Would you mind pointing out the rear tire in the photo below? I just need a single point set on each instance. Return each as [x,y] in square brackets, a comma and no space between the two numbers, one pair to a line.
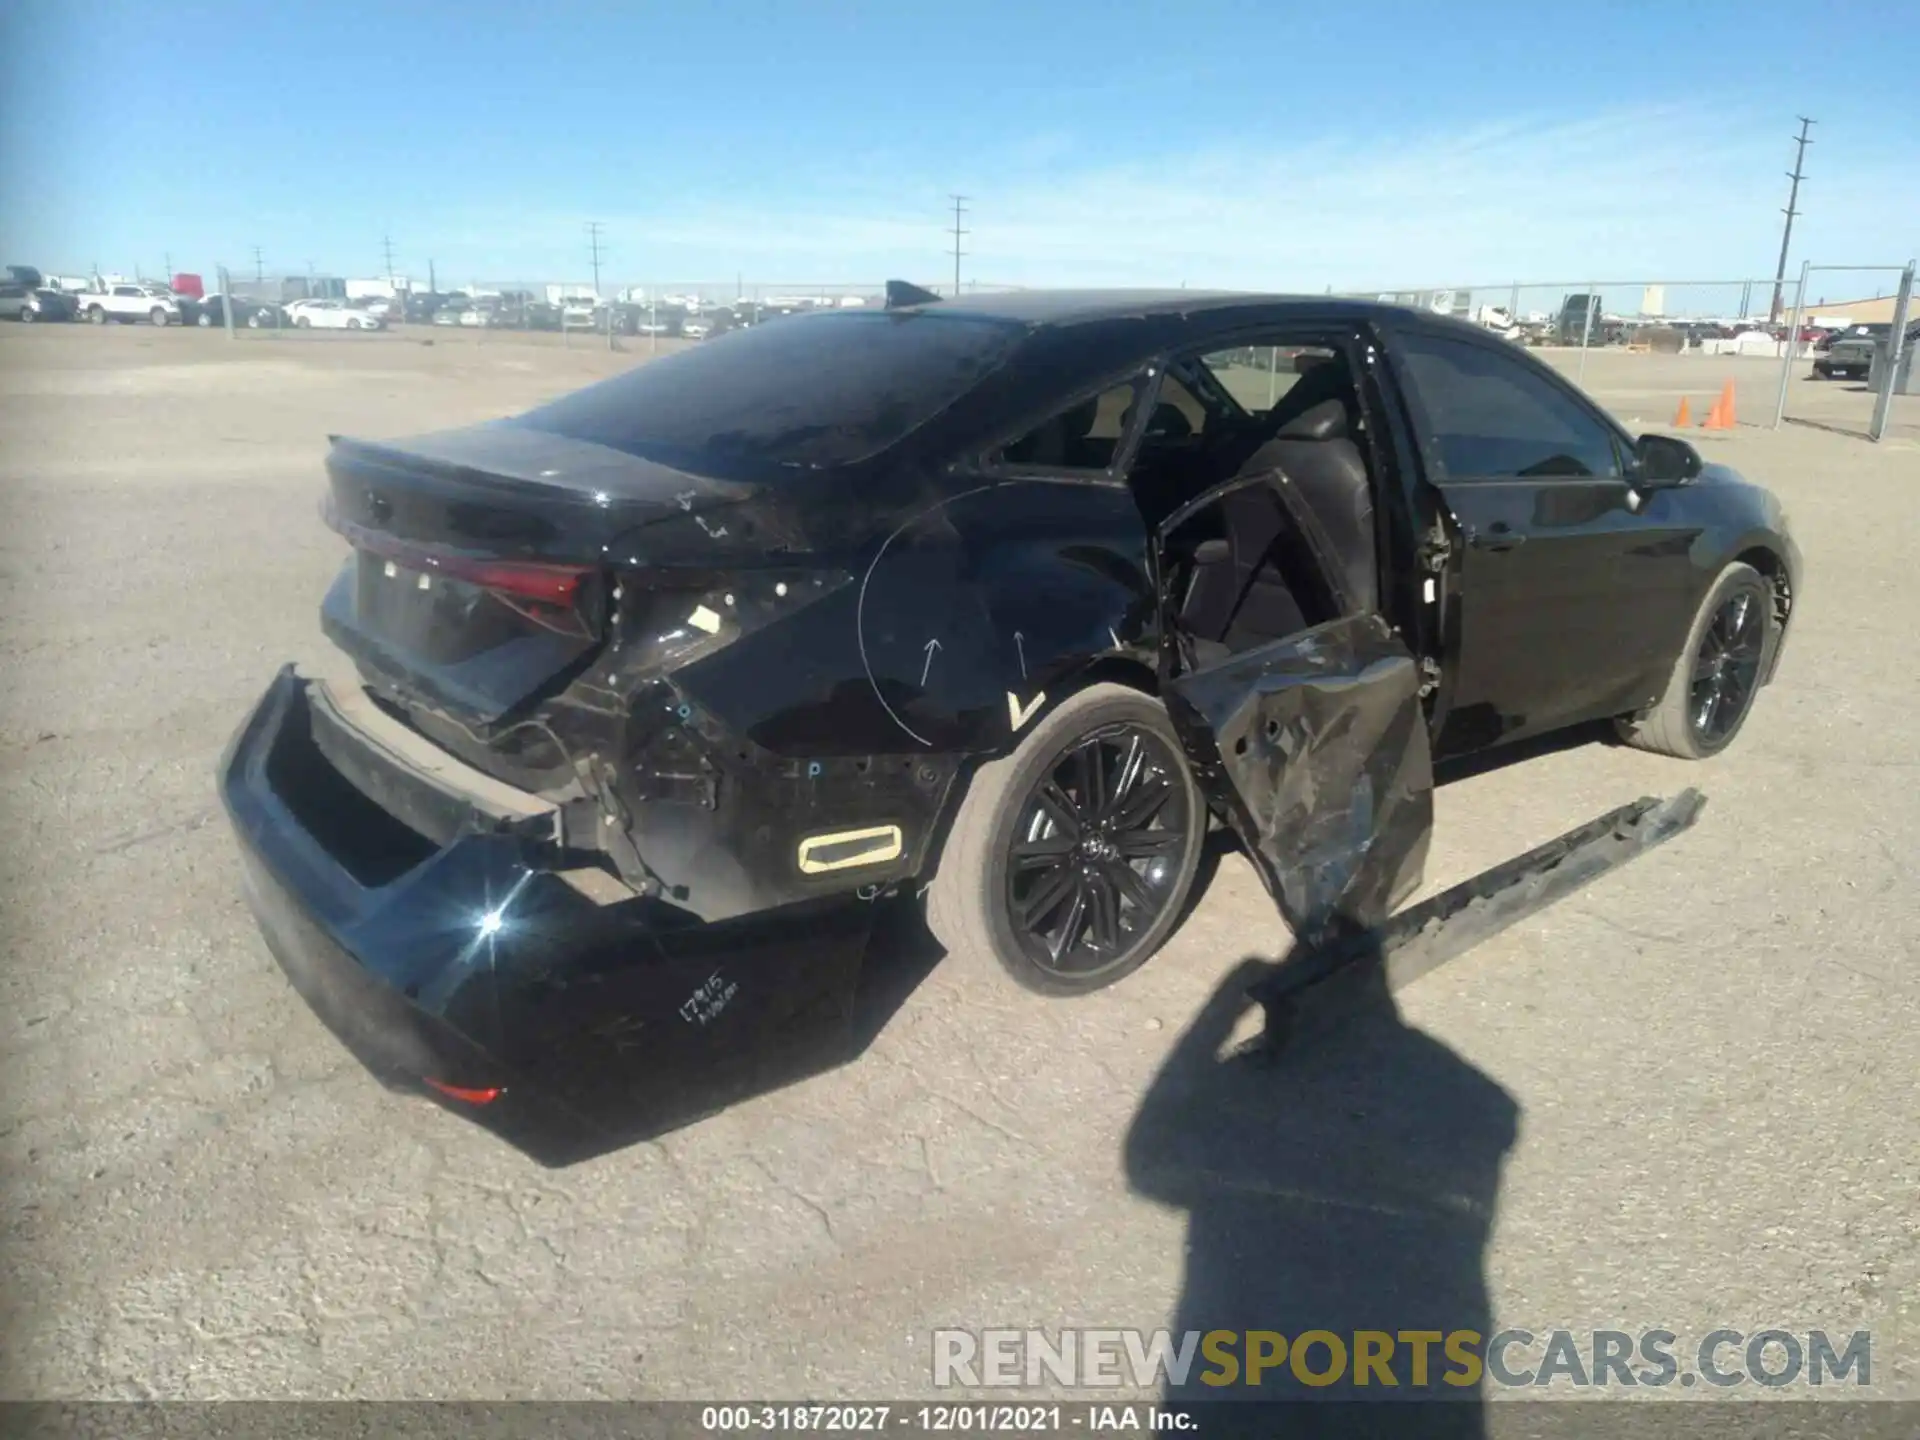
[158,316]
[1718,681]
[303,323]
[971,900]
[205,322]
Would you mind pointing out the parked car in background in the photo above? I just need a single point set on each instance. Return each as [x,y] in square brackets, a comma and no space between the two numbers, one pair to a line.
[124,301]
[1850,355]
[254,314]
[331,315]
[418,306]
[31,304]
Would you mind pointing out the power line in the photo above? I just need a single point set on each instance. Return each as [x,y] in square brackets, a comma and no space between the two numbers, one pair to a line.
[593,240]
[959,210]
[1786,235]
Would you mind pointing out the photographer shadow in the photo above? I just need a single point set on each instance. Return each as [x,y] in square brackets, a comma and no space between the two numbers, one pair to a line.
[1339,1176]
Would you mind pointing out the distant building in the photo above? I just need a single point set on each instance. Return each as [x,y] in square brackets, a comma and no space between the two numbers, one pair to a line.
[1877,311]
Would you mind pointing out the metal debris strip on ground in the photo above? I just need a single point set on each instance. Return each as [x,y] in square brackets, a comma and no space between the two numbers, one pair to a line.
[1423,937]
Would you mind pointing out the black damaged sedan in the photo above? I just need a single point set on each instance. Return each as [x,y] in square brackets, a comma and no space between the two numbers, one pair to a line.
[998,603]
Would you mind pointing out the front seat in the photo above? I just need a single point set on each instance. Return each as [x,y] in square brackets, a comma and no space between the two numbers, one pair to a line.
[1317,452]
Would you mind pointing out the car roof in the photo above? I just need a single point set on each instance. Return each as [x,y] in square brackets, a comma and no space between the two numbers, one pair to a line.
[1072,307]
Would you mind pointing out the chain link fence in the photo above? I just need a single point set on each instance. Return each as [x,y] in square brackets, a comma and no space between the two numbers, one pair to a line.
[1796,321]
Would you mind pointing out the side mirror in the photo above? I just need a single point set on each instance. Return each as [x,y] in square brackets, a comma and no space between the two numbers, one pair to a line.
[1664,460]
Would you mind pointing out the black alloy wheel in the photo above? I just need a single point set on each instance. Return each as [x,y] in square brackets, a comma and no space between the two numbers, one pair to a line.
[1095,857]
[1726,667]
[1717,673]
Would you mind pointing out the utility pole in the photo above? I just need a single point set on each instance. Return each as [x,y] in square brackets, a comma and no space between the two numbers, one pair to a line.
[433,282]
[167,260]
[959,209]
[386,243]
[1786,235]
[593,240]
[259,266]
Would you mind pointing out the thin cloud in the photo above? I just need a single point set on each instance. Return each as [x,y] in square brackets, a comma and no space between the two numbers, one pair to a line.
[1644,192]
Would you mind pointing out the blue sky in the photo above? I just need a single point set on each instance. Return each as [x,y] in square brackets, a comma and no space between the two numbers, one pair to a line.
[1255,145]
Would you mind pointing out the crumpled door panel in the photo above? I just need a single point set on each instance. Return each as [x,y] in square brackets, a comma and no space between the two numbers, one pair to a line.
[1316,747]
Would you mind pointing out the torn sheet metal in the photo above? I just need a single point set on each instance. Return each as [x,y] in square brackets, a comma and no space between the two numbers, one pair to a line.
[1317,749]
[1426,936]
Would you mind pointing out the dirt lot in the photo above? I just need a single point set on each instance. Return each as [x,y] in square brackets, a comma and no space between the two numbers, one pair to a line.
[1683,1099]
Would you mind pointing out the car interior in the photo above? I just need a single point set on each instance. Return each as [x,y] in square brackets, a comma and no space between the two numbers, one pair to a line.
[1245,572]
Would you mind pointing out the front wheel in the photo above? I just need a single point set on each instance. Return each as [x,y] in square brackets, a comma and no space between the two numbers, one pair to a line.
[158,316]
[353,325]
[303,323]
[97,315]
[205,322]
[1711,690]
[27,317]
[1070,859]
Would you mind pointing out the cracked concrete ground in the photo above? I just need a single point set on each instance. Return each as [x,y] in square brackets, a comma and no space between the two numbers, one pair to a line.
[1684,1098]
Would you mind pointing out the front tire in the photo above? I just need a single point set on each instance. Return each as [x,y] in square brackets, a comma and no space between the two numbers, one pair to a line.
[97,315]
[1710,693]
[1070,859]
[205,322]
[158,316]
[27,317]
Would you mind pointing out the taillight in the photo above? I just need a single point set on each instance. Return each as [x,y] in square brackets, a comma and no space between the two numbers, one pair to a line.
[465,1093]
[549,595]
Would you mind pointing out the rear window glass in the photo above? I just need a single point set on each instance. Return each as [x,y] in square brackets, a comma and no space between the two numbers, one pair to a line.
[818,391]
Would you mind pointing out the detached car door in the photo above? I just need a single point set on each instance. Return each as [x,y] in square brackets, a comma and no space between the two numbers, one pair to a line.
[1314,746]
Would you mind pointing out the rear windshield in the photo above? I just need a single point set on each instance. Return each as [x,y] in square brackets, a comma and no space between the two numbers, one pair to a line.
[814,391]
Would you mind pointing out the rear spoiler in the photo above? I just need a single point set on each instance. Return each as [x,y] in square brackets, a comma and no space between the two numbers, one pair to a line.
[900,293]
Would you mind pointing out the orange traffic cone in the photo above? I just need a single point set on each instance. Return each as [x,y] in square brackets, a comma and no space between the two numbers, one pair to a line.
[1720,417]
[1683,417]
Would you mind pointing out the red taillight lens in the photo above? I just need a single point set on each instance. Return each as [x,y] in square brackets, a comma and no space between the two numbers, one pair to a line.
[529,586]
[462,1092]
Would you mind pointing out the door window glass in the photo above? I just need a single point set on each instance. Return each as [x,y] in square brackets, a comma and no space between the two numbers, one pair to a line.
[1084,436]
[1259,376]
[1492,415]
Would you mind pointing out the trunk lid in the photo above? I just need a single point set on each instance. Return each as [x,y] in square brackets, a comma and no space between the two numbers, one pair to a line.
[483,558]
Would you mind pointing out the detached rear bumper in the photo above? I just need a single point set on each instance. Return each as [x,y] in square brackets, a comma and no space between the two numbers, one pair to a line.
[429,918]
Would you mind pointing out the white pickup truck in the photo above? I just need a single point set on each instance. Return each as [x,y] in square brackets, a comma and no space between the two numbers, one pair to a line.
[123,300]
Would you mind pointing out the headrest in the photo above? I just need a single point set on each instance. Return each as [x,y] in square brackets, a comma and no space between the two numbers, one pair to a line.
[1325,421]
